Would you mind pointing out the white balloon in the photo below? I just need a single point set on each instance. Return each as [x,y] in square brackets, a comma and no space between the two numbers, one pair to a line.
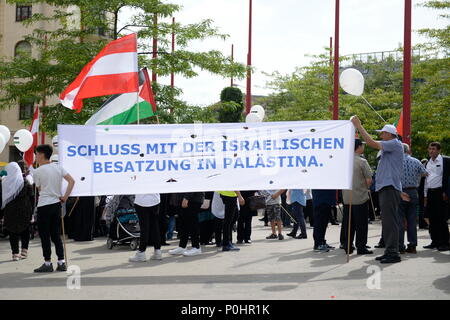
[4,131]
[252,117]
[23,140]
[2,143]
[55,142]
[259,110]
[54,158]
[352,81]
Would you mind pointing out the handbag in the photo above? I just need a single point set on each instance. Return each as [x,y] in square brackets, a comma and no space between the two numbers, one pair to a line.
[256,202]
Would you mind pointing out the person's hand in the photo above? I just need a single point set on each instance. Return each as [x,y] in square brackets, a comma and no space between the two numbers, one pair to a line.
[63,199]
[427,221]
[184,203]
[356,122]
[241,201]
[405,197]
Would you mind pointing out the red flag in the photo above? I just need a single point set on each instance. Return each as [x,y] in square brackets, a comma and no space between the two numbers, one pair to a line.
[114,70]
[147,92]
[34,129]
[399,125]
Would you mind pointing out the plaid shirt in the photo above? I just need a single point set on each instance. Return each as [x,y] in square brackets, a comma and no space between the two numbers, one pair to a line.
[413,170]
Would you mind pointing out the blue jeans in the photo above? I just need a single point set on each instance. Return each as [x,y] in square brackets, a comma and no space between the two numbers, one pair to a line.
[170,227]
[297,208]
[407,211]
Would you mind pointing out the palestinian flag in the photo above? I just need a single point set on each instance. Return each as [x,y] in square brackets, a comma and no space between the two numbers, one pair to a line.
[123,108]
[399,125]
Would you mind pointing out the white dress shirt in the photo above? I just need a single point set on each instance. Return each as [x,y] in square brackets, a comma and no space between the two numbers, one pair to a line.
[147,200]
[435,171]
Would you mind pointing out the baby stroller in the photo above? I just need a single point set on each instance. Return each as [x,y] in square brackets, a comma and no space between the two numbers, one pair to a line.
[124,222]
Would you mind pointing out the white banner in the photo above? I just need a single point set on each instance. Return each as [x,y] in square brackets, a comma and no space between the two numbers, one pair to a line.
[136,159]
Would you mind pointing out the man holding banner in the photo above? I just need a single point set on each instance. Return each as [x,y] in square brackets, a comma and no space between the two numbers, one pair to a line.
[388,185]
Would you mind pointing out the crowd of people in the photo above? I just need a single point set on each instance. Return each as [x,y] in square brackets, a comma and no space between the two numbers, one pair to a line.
[403,191]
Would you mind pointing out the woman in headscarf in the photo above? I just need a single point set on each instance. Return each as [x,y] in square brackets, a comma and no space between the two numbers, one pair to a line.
[17,209]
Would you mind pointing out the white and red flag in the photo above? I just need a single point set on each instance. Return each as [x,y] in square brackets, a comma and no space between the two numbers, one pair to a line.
[114,70]
[34,129]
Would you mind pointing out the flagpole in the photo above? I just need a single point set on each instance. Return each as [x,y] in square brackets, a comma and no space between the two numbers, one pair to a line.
[137,103]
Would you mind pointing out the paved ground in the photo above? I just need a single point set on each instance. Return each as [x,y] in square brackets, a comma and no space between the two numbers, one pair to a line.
[266,269]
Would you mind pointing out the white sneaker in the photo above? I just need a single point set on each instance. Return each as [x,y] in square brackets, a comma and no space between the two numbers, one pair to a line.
[157,255]
[138,257]
[177,251]
[192,252]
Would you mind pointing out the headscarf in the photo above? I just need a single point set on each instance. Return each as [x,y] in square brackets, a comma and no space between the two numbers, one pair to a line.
[12,184]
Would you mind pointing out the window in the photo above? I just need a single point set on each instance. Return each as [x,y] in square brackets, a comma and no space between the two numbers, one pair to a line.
[22,48]
[26,111]
[23,12]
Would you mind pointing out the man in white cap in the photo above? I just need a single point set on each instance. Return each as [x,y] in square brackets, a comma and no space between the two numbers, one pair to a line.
[388,185]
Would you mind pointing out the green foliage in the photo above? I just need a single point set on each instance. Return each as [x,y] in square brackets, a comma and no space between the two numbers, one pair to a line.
[232,94]
[230,111]
[64,52]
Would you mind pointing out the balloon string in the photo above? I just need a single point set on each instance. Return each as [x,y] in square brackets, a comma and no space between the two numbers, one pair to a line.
[373,109]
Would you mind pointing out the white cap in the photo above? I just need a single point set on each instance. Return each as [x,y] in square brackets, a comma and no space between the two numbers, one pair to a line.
[388,128]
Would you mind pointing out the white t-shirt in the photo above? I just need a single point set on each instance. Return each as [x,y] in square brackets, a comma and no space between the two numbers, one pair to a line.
[49,178]
[147,200]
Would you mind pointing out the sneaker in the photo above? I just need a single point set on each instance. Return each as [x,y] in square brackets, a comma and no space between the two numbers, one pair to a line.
[330,247]
[402,250]
[15,257]
[157,255]
[192,252]
[272,236]
[379,258]
[44,268]
[411,249]
[291,234]
[177,251]
[280,237]
[61,267]
[364,251]
[430,246]
[230,247]
[324,248]
[301,236]
[24,254]
[444,248]
[391,259]
[248,241]
[380,245]
[239,242]
[138,257]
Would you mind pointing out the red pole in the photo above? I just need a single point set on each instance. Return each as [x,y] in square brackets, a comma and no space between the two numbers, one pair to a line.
[407,75]
[155,47]
[172,75]
[331,77]
[232,60]
[248,97]
[336,65]
[44,100]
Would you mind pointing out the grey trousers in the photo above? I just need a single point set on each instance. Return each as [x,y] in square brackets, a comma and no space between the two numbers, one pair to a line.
[408,212]
[389,199]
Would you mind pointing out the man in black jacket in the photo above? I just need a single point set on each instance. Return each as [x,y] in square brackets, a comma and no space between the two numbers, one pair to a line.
[436,197]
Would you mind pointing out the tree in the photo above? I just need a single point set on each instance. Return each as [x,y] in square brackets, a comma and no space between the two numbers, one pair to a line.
[65,51]
[231,105]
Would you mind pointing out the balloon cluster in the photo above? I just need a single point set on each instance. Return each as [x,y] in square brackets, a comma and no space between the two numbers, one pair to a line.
[256,114]
[23,139]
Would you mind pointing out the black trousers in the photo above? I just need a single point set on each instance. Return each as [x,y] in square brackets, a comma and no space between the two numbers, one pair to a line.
[321,216]
[359,225]
[189,225]
[218,227]
[24,237]
[309,212]
[436,211]
[230,212]
[49,227]
[244,227]
[149,225]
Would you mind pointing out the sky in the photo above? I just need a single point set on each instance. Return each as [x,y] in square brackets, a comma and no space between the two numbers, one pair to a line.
[286,31]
